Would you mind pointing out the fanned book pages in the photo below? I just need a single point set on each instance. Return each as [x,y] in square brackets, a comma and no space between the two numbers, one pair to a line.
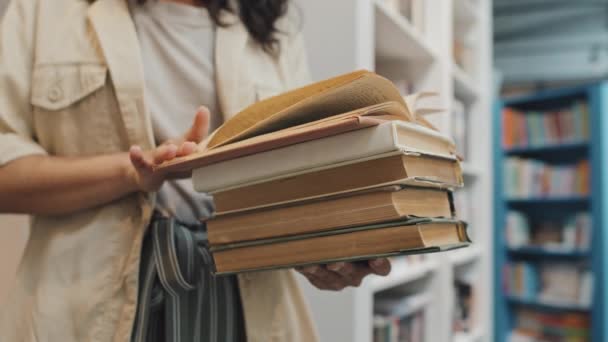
[341,104]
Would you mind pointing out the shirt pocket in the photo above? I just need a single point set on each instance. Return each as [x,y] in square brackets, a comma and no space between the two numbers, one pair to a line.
[75,109]
[57,87]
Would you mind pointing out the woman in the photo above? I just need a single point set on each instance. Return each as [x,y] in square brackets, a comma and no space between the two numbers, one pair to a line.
[83,82]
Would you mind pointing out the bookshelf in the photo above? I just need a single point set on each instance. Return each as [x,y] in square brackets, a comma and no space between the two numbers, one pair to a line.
[594,257]
[414,47]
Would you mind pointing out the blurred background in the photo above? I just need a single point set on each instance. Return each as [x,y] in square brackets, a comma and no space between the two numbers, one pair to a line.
[522,84]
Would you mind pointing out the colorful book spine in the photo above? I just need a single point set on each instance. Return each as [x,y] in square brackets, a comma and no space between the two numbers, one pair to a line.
[551,283]
[529,178]
[572,234]
[533,325]
[397,329]
[537,129]
[521,280]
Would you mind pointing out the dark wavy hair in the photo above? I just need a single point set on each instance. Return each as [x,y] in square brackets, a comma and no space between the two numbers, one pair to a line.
[259,16]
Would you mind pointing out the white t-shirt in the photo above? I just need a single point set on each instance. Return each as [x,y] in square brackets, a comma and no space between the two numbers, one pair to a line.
[177,45]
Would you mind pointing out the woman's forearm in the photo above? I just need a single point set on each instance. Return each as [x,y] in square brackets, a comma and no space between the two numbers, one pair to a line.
[57,185]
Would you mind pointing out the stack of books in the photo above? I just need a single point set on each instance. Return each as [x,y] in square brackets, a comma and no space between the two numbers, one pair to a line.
[343,169]
[464,300]
[537,129]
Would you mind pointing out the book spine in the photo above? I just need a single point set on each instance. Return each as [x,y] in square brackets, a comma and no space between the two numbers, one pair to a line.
[313,154]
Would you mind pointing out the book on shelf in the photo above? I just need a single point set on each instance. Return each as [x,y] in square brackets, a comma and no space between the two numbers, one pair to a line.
[389,329]
[561,284]
[520,280]
[530,178]
[343,169]
[464,297]
[573,233]
[537,129]
[398,318]
[532,325]
[517,230]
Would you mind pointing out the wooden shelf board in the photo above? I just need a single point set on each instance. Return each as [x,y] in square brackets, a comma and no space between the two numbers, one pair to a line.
[397,39]
[402,272]
[464,256]
[465,87]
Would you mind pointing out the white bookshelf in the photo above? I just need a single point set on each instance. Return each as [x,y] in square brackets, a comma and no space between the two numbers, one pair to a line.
[403,272]
[476,335]
[345,35]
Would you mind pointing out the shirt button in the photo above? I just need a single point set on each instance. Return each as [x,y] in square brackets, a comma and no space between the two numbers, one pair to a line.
[55,94]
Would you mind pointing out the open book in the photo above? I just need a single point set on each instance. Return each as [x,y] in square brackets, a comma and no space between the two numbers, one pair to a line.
[338,105]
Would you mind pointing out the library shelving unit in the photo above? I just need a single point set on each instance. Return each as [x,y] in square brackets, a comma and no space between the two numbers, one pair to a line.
[595,149]
[416,51]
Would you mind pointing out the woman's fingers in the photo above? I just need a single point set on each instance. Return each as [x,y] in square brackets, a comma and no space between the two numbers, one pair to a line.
[325,279]
[186,148]
[200,126]
[138,158]
[164,153]
[345,269]
[381,266]
[336,276]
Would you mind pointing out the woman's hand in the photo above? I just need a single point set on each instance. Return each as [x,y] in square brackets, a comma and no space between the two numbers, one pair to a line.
[339,275]
[142,173]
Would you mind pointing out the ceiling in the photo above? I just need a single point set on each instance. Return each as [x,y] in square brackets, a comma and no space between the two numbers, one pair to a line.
[538,41]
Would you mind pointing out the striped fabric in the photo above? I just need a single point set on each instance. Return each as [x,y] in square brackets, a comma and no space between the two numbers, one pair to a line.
[179,298]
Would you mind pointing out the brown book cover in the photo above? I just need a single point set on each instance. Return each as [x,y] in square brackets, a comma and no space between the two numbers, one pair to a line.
[412,169]
[367,207]
[351,244]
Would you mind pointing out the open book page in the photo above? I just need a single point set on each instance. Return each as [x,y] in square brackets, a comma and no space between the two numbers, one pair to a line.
[369,89]
[387,111]
[412,102]
[268,107]
[357,119]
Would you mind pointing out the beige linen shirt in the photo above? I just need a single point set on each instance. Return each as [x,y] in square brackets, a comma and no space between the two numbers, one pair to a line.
[71,84]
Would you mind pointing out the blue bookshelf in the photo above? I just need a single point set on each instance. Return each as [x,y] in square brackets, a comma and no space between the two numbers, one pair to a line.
[542,306]
[533,151]
[596,151]
[540,252]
